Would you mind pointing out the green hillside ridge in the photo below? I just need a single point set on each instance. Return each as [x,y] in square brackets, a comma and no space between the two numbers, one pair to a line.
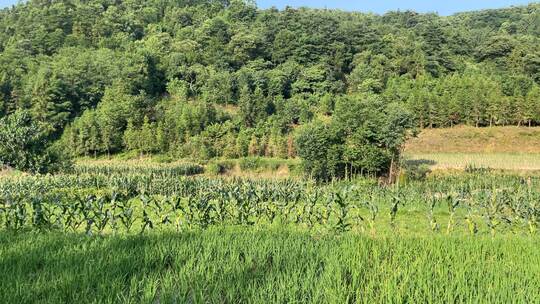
[226,79]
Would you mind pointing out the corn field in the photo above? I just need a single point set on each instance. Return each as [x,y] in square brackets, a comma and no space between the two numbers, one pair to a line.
[96,201]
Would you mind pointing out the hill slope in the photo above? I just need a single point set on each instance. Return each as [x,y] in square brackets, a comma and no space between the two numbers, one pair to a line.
[476,140]
[510,148]
[158,76]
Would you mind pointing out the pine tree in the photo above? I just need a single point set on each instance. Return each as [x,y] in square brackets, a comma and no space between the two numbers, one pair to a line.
[247,107]
[94,138]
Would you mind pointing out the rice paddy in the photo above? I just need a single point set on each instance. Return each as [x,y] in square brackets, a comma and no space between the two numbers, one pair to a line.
[266,266]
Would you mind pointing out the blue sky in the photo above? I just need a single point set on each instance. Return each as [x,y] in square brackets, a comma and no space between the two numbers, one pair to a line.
[444,7]
[4,3]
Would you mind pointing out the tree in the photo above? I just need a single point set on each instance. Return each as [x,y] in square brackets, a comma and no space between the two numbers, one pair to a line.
[24,146]
[254,147]
[131,137]
[321,150]
[218,88]
[111,123]
[147,137]
[50,104]
[369,73]
[364,136]
[532,100]
[84,68]
[496,47]
[374,133]
[284,46]
[317,80]
[254,107]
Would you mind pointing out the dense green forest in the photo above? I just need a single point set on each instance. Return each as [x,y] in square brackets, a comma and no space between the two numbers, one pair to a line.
[220,78]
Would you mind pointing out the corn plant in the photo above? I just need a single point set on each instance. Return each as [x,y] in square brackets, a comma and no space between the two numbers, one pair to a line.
[434,226]
[452,203]
[130,201]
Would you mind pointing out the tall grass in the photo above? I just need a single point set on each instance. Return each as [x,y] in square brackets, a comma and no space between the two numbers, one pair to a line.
[266,266]
[152,170]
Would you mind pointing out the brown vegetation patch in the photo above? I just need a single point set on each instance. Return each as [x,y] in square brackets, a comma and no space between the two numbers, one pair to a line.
[466,139]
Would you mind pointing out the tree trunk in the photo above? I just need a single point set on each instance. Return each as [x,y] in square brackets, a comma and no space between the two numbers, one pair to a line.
[392,173]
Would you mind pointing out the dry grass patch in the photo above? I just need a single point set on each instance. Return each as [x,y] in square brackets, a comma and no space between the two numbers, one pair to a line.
[476,140]
[504,161]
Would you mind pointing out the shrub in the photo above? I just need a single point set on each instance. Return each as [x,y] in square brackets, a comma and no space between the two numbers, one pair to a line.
[218,167]
[163,159]
[474,169]
[214,169]
[250,163]
[414,171]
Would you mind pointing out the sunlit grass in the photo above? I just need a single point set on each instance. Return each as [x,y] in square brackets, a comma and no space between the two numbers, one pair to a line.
[506,161]
[465,139]
[266,266]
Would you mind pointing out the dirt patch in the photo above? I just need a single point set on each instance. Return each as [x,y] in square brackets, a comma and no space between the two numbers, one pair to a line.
[6,172]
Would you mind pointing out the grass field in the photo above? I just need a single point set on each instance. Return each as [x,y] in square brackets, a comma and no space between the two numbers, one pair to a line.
[505,161]
[508,148]
[266,266]
[465,139]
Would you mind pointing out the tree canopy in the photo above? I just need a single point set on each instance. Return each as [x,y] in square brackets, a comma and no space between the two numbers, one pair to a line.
[24,146]
[222,78]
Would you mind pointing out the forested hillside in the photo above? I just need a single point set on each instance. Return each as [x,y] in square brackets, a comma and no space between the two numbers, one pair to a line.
[219,78]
